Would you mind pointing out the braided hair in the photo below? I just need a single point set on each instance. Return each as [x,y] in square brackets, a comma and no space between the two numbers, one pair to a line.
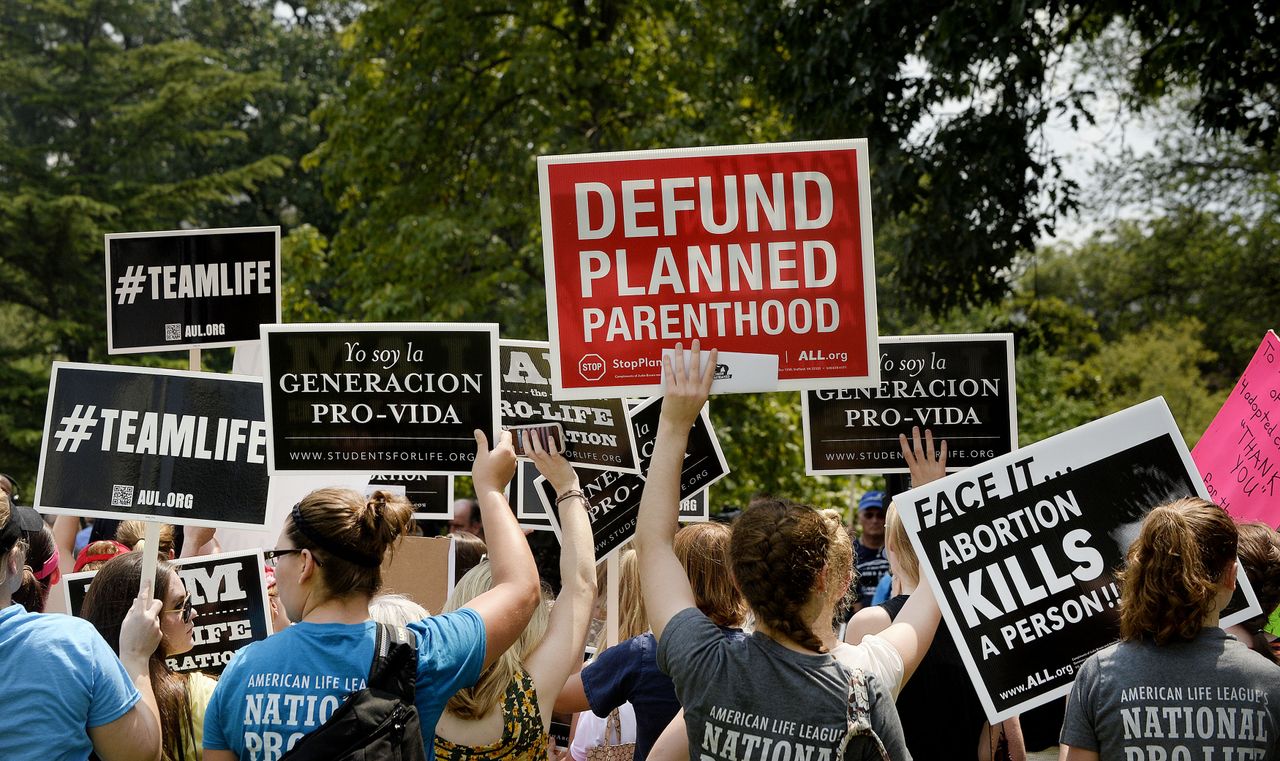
[778,550]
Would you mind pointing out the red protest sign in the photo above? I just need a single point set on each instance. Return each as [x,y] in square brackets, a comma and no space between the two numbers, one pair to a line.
[762,251]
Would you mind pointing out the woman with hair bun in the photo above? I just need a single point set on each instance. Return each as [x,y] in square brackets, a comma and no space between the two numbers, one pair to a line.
[780,693]
[327,561]
[1176,686]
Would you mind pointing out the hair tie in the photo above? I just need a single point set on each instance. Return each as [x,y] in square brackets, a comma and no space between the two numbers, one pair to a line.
[342,551]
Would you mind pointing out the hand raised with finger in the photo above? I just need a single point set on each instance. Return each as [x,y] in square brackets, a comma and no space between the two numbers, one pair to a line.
[687,384]
[552,465]
[492,470]
[921,461]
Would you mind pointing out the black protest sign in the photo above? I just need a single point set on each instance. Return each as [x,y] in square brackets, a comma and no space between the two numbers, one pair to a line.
[597,433]
[432,496]
[959,386]
[615,497]
[1022,551]
[379,397]
[524,500]
[229,600]
[182,447]
[187,288]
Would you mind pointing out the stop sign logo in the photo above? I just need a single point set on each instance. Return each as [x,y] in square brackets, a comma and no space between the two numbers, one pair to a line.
[591,367]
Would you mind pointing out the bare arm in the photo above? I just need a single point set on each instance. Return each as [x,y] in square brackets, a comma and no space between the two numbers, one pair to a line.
[573,696]
[65,528]
[871,620]
[199,541]
[662,579]
[1068,753]
[507,607]
[560,651]
[673,743]
[135,736]
[220,755]
[912,631]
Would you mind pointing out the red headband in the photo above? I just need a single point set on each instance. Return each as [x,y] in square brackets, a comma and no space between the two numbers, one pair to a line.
[84,558]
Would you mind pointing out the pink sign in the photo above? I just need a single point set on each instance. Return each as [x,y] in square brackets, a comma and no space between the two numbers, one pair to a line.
[1239,454]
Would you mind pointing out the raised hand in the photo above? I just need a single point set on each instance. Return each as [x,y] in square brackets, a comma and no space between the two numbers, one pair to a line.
[688,385]
[551,465]
[920,460]
[492,470]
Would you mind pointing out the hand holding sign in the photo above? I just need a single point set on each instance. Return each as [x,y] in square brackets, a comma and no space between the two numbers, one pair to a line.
[492,471]
[552,465]
[924,466]
[687,386]
[140,630]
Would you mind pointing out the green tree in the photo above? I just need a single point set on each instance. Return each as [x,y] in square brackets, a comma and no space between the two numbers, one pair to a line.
[105,115]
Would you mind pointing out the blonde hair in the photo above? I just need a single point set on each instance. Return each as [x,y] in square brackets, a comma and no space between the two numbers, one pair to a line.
[396,610]
[474,702]
[131,533]
[895,533]
[1174,569]
[703,550]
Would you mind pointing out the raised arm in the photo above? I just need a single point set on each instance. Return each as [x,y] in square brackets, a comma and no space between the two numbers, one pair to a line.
[560,652]
[508,606]
[662,579]
[912,631]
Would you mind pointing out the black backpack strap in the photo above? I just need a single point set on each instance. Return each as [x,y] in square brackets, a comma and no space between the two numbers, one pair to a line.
[395,662]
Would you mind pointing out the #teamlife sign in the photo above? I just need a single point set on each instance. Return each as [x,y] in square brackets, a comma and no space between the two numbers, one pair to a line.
[379,397]
[187,288]
[960,386]
[138,442]
[762,251]
[1239,454]
[229,597]
[597,432]
[1022,549]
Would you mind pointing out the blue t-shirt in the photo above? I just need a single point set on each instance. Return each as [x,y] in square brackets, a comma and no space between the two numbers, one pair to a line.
[629,671]
[276,691]
[61,678]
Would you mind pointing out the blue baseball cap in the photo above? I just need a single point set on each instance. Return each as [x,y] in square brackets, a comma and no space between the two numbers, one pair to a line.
[872,500]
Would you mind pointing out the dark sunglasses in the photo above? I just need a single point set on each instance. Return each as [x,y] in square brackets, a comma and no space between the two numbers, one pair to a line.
[185,610]
[271,555]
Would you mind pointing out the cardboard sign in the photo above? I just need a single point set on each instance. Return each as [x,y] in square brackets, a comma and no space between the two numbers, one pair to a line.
[597,432]
[1239,453]
[379,397]
[184,288]
[432,496]
[762,251]
[229,596]
[1022,550]
[615,497]
[420,567]
[959,386]
[185,447]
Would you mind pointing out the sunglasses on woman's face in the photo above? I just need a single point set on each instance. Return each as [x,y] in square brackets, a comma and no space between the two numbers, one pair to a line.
[271,555]
[185,610]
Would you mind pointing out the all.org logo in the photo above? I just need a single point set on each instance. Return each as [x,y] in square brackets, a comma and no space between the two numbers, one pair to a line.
[591,367]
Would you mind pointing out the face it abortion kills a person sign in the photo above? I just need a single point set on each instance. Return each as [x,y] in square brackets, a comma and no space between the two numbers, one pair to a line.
[764,252]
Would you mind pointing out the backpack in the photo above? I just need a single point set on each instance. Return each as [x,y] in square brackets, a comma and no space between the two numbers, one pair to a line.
[379,721]
[859,717]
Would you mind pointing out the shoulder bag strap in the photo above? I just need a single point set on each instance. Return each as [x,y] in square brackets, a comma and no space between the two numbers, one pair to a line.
[858,716]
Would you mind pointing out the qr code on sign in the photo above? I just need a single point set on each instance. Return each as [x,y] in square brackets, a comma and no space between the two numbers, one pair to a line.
[173,331]
[121,496]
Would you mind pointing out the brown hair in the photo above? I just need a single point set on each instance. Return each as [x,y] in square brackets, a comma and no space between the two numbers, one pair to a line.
[109,598]
[468,551]
[895,534]
[778,549]
[349,535]
[100,547]
[1172,573]
[1260,555]
[20,545]
[34,592]
[703,550]
[131,533]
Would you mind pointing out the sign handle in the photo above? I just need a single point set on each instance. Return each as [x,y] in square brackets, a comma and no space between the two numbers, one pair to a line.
[150,550]
[193,358]
[613,570]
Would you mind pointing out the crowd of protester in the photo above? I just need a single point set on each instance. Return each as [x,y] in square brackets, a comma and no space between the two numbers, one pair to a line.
[731,643]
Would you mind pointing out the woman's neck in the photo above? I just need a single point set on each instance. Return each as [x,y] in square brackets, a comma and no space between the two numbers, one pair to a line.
[338,610]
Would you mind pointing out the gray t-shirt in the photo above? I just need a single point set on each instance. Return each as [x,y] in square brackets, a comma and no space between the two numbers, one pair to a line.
[1211,699]
[748,699]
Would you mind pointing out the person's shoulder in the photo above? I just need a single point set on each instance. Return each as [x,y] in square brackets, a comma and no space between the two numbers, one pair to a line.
[1254,663]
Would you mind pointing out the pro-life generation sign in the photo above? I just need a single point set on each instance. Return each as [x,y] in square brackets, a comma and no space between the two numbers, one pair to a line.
[179,289]
[959,386]
[399,398]
[137,442]
[762,251]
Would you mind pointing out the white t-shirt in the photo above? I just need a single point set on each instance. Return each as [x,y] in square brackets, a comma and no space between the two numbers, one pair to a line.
[874,656]
[590,731]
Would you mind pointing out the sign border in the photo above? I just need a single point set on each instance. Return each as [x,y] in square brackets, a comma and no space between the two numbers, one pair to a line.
[334,327]
[866,241]
[112,349]
[1007,338]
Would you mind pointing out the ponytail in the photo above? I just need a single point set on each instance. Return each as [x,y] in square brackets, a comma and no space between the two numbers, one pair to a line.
[1174,569]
